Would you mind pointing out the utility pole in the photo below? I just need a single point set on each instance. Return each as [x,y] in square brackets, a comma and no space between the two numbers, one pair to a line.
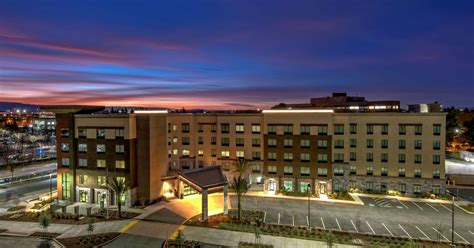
[309,205]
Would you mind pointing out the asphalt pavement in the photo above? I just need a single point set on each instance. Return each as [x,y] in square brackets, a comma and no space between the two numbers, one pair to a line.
[21,190]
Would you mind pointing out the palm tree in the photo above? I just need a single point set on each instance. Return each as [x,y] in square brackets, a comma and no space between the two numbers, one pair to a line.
[241,186]
[241,166]
[119,187]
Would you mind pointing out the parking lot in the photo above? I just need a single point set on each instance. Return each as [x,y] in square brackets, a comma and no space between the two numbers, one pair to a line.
[390,217]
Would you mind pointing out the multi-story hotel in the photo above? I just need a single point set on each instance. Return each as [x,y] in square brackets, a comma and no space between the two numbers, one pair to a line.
[333,144]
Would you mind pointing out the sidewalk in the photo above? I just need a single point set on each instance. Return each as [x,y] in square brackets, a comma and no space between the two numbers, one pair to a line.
[356,201]
[402,198]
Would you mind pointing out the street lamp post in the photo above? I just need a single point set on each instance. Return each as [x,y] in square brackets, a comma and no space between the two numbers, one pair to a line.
[51,193]
[452,218]
[309,205]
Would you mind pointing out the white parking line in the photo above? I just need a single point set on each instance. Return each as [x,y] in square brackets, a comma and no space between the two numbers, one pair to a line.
[422,232]
[403,204]
[391,234]
[307,220]
[370,227]
[264,216]
[446,208]
[357,231]
[417,206]
[322,221]
[293,220]
[340,229]
[432,207]
[471,232]
[278,218]
[440,234]
[405,231]
[460,236]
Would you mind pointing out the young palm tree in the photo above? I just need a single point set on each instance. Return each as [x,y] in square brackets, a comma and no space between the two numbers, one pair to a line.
[241,186]
[119,187]
[241,166]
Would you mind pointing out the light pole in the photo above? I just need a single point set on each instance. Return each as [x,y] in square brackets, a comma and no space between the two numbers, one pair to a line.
[309,205]
[51,193]
[452,218]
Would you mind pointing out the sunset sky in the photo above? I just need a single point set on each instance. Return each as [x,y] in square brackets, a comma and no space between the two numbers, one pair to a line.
[226,54]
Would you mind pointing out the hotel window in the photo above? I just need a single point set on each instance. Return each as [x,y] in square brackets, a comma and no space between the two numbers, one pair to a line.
[239,142]
[304,143]
[401,172]
[370,157]
[225,154]
[353,156]
[401,158]
[402,187]
[384,143]
[225,141]
[416,188]
[82,162]
[370,186]
[402,144]
[338,157]
[101,163]
[436,129]
[352,170]
[305,129]
[339,143]
[288,156]
[213,140]
[436,174]
[322,158]
[255,142]
[175,139]
[185,127]
[436,159]
[384,130]
[185,152]
[272,156]
[370,170]
[288,185]
[288,170]
[213,152]
[213,128]
[200,140]
[271,142]
[65,162]
[402,129]
[255,128]
[322,130]
[272,169]
[83,179]
[256,155]
[384,157]
[100,148]
[175,127]
[200,152]
[256,168]
[418,144]
[288,143]
[239,154]
[418,129]
[175,151]
[322,144]
[64,132]
[338,171]
[119,148]
[239,128]
[224,128]
[82,148]
[336,186]
[64,147]
[352,184]
[353,143]
[436,145]
[322,172]
[370,129]
[339,129]
[353,128]
[304,157]
[200,127]
[417,158]
[101,181]
[272,129]
[100,133]
[384,171]
[119,133]
[82,132]
[288,129]
[417,172]
[370,143]
[120,164]
[435,189]
[304,171]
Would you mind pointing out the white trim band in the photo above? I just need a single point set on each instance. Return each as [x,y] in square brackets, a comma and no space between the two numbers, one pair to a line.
[151,111]
[271,111]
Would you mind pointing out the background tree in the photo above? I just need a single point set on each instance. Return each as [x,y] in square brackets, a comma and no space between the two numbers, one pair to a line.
[119,187]
[7,157]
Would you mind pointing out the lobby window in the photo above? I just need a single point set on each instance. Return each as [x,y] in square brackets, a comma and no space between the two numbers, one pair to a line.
[339,143]
[352,169]
[436,174]
[384,171]
[436,145]
[353,143]
[322,130]
[239,141]
[304,157]
[256,155]
[288,143]
[119,148]
[304,187]
[64,132]
[288,185]
[417,158]
[338,171]
[339,157]
[185,153]
[272,169]
[65,162]
[239,128]
[101,180]
[417,172]
[418,129]
[64,147]
[305,129]
[101,163]
[213,140]
[401,158]
[353,156]
[225,141]
[256,168]
[402,187]
[353,128]
[200,152]
[83,179]
[436,129]
[416,188]
[370,143]
[288,156]
[82,132]
[288,170]
[322,158]
[304,143]
[384,143]
[436,159]
[384,129]
[200,127]
[418,144]
[370,170]
[185,127]
[384,157]
[213,128]
[120,164]
[370,186]
[272,156]
[200,140]
[322,144]
[82,148]
[119,133]
[255,142]
[435,189]
[100,133]
[304,171]
[185,140]
[402,129]
[255,128]
[239,154]
[322,172]
[100,148]
[82,162]
[271,142]
[370,129]
[225,128]
[370,157]
[401,172]
[339,129]
[272,129]
[288,129]
[402,144]
[225,154]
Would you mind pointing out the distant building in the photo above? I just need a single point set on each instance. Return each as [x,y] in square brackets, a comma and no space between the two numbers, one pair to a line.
[425,107]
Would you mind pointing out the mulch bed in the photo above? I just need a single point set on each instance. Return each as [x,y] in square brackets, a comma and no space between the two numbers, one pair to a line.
[88,241]
[49,235]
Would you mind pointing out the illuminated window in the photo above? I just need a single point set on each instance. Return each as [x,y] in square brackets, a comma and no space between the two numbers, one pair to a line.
[322,158]
[239,128]
[304,157]
[175,151]
[200,152]
[304,171]
[272,156]
[322,130]
[288,170]
[185,152]
[272,142]
[288,156]
[322,172]
[225,154]
[239,154]
[255,128]
[100,148]
[101,163]
[120,164]
[101,181]
[119,133]
[288,143]
[272,169]
[305,129]
[82,162]
[304,143]
[119,148]
[100,133]
[322,144]
[65,162]
[288,129]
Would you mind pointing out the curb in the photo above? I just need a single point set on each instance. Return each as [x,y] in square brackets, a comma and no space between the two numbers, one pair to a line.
[468,212]
[404,198]
[355,202]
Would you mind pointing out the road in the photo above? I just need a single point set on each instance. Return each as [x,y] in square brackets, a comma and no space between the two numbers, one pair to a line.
[30,169]
[18,191]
